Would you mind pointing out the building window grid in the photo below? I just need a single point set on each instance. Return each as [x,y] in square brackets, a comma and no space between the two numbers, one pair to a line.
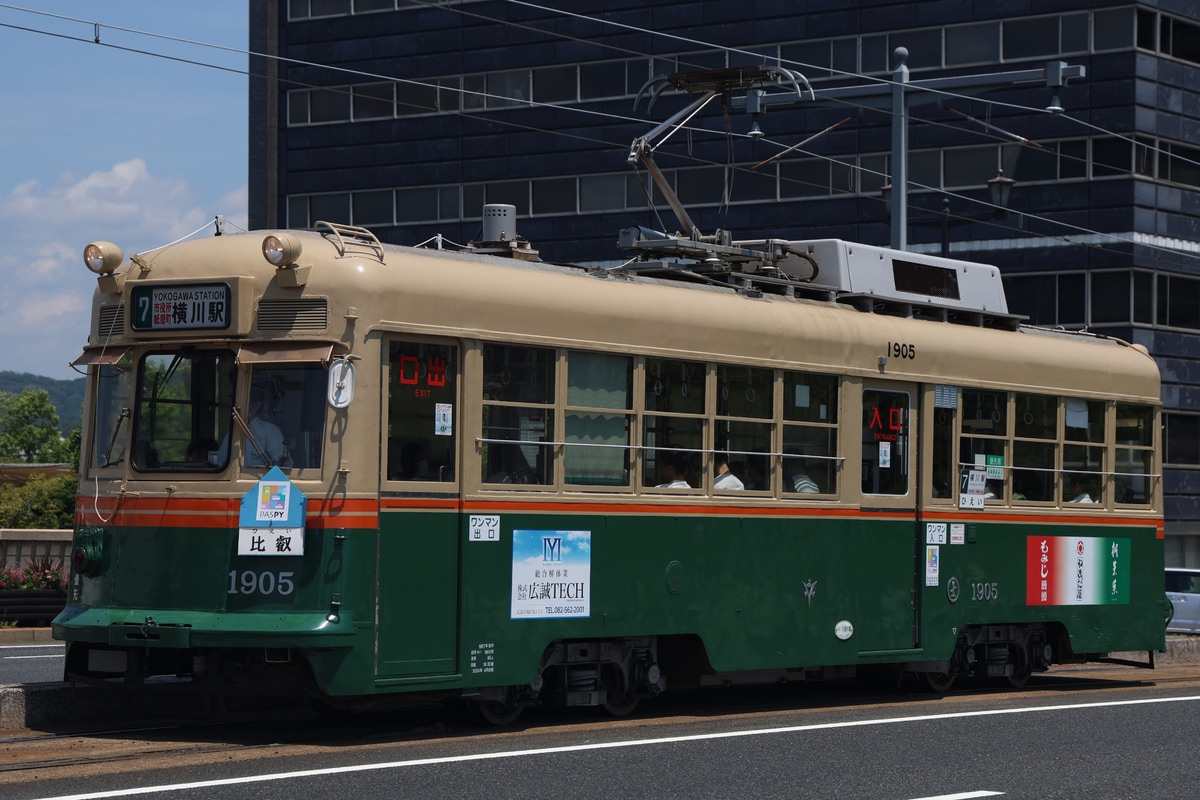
[1158,300]
[1181,439]
[303,10]
[1176,163]
[1072,36]
[792,181]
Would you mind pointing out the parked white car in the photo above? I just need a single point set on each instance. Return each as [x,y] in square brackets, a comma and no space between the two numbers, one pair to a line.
[1183,589]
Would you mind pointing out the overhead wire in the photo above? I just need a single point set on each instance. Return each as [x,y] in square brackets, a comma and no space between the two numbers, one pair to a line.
[991,103]
[98,27]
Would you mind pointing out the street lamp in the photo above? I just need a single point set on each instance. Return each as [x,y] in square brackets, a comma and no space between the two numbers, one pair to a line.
[999,189]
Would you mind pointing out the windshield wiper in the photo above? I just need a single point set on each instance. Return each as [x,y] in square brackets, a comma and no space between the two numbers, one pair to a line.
[251,438]
[112,442]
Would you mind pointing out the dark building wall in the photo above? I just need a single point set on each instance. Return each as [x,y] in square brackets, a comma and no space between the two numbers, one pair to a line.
[1119,164]
[592,137]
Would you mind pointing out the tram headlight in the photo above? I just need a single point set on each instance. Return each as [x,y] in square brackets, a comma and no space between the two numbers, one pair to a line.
[87,556]
[80,558]
[281,249]
[102,258]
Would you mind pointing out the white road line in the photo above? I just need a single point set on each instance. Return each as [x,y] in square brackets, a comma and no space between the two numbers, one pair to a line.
[60,646]
[961,796]
[541,751]
[14,658]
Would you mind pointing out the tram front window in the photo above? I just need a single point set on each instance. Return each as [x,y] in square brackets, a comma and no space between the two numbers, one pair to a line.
[110,431]
[183,410]
[285,417]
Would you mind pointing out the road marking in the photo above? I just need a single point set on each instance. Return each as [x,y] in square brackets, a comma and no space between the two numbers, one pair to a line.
[961,796]
[60,646]
[48,655]
[541,751]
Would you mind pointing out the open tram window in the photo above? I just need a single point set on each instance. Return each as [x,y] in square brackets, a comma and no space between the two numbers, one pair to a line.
[1134,466]
[810,415]
[744,427]
[422,394]
[110,428]
[597,421]
[1035,448]
[285,416]
[518,393]
[984,442]
[673,425]
[184,410]
[885,441]
[1083,452]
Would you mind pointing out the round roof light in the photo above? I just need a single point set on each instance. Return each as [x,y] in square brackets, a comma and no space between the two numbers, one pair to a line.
[102,258]
[281,249]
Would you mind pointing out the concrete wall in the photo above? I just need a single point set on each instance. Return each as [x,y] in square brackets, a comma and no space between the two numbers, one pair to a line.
[17,547]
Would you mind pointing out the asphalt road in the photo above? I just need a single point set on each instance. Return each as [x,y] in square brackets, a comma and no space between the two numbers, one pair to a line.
[31,663]
[1113,733]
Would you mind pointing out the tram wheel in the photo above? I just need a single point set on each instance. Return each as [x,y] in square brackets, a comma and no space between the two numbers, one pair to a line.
[623,708]
[1022,671]
[496,713]
[618,700]
[620,705]
[937,682]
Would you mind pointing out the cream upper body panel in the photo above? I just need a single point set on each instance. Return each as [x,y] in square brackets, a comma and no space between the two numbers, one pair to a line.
[474,296]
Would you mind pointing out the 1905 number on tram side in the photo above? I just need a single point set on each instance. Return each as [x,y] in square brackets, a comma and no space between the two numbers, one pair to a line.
[266,582]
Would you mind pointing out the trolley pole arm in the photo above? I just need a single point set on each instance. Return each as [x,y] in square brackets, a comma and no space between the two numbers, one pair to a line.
[642,150]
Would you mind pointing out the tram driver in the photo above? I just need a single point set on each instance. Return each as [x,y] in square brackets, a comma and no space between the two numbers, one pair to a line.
[264,432]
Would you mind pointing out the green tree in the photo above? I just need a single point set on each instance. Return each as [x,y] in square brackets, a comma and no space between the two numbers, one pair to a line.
[40,503]
[29,430]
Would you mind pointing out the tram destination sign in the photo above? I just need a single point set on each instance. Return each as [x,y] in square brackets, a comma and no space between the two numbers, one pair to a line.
[180,307]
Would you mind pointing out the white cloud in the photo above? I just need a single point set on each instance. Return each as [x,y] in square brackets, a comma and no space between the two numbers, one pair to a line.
[46,305]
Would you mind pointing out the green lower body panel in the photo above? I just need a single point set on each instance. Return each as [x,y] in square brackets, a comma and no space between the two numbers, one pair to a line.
[184,629]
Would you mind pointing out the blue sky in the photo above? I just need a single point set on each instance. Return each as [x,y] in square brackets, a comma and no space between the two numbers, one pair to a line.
[103,143]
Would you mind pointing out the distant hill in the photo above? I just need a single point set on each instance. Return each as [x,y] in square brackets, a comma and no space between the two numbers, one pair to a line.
[67,396]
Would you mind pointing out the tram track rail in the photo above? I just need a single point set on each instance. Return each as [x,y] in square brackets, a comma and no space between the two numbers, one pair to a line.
[111,749]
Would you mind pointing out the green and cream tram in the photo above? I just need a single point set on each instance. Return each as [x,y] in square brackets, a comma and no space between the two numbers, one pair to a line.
[317,464]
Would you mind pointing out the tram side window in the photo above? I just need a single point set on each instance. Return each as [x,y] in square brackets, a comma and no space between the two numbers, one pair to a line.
[885,442]
[518,395]
[985,437]
[286,416]
[1083,452]
[110,429]
[421,416]
[599,402]
[1035,448]
[810,416]
[1135,454]
[945,420]
[184,410]
[744,428]
[673,424]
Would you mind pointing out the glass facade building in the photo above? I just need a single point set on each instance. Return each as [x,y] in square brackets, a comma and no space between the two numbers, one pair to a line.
[407,117]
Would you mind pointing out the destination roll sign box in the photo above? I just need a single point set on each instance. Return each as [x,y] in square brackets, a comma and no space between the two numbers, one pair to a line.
[181,307]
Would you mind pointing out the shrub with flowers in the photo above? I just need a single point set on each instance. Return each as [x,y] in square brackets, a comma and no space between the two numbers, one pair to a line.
[38,573]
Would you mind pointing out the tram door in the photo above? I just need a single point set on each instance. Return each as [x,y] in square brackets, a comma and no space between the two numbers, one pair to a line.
[417,567]
[888,482]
